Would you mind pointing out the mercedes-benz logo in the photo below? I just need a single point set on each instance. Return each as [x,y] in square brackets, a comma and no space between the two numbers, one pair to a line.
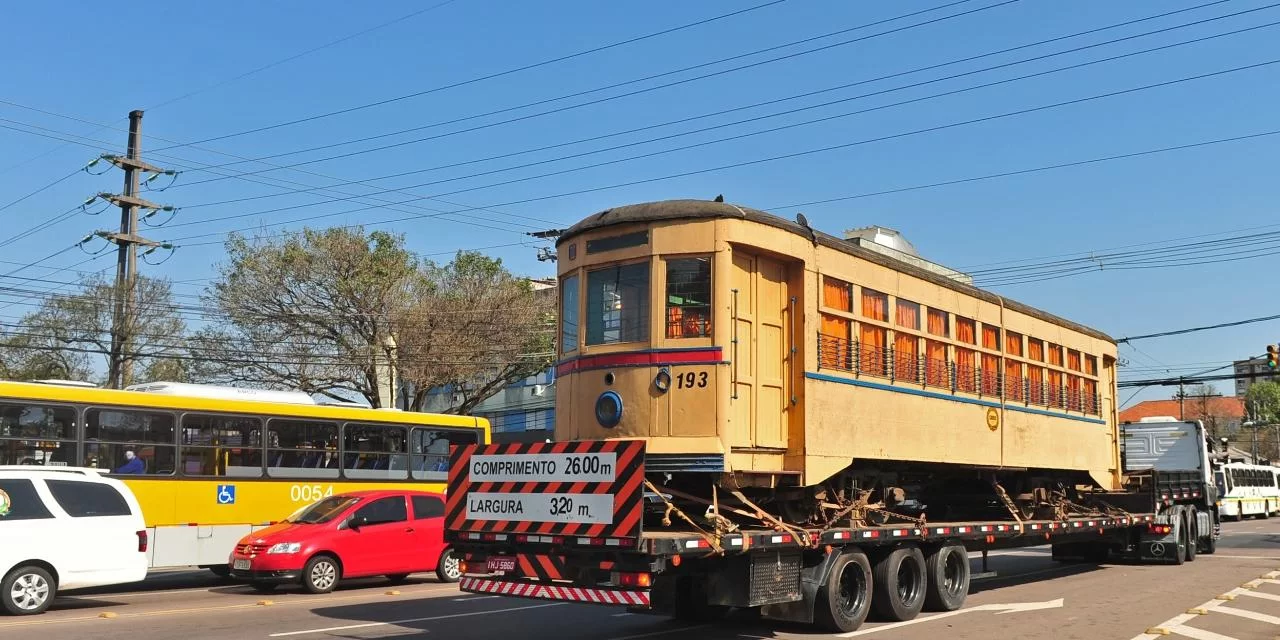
[1157,548]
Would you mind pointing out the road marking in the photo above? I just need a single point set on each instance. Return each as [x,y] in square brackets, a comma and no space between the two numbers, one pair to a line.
[1197,634]
[1221,555]
[662,632]
[1252,615]
[408,620]
[1264,596]
[1000,609]
[623,614]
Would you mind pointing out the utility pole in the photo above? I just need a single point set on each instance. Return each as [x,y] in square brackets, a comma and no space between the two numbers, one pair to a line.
[120,372]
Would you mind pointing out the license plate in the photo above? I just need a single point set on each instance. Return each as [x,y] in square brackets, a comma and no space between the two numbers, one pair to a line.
[501,563]
[241,565]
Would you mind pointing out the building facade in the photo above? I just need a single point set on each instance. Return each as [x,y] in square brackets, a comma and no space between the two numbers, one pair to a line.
[1256,370]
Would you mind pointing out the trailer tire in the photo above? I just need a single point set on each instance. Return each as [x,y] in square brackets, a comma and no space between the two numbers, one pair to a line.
[900,583]
[844,599]
[948,569]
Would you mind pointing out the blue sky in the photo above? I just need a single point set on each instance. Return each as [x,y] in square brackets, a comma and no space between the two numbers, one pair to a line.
[66,60]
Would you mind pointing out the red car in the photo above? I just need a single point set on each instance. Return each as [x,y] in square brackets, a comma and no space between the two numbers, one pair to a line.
[349,535]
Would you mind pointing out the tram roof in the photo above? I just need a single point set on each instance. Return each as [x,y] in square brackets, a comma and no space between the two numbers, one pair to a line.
[667,210]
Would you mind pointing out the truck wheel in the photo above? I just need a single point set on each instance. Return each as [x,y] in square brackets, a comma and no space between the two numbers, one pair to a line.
[948,568]
[1210,544]
[844,599]
[1179,546]
[900,579]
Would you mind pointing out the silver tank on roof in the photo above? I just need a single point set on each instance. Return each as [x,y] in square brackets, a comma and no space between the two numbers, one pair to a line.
[890,242]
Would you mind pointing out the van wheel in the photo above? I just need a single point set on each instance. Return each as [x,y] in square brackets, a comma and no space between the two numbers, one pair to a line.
[900,580]
[27,591]
[321,574]
[948,569]
[448,568]
[844,600]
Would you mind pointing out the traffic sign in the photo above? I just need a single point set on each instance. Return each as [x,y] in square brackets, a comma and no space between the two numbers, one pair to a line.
[226,494]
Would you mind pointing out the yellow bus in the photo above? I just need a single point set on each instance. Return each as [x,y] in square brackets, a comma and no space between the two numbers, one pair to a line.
[211,464]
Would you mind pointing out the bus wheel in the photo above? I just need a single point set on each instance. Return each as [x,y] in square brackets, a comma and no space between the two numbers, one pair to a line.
[844,599]
[900,580]
[948,568]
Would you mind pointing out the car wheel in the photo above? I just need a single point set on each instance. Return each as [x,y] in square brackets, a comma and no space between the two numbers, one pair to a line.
[321,574]
[263,587]
[27,591]
[448,568]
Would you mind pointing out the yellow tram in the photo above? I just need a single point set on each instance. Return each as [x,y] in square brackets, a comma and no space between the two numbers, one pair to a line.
[211,464]
[755,352]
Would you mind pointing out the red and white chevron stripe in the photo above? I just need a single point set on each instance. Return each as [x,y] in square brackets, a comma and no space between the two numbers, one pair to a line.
[554,592]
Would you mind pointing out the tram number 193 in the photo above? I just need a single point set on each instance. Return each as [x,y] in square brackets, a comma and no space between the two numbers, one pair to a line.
[309,492]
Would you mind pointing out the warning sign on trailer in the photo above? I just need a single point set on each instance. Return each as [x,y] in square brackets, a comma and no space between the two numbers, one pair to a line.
[582,488]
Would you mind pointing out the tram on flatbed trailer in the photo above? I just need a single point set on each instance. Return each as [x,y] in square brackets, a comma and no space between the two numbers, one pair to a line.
[752,413]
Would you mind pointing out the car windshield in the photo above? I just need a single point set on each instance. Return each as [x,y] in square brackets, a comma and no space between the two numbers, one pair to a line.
[323,511]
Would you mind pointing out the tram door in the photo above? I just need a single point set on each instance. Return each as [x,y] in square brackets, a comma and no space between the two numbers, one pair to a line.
[762,355]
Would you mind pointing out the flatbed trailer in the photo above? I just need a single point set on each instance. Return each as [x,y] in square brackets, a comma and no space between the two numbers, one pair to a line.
[546,538]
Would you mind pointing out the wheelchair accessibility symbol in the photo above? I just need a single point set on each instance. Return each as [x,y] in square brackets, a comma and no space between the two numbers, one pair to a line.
[226,494]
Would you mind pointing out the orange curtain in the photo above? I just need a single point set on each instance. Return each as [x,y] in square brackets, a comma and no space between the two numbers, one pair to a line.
[1055,355]
[1090,396]
[905,356]
[875,305]
[835,294]
[675,316]
[1073,392]
[965,331]
[990,374]
[1073,360]
[990,337]
[938,322]
[1012,380]
[834,342]
[935,362]
[1055,388]
[908,314]
[965,370]
[1013,343]
[1036,377]
[1035,350]
[872,349]
[1091,365]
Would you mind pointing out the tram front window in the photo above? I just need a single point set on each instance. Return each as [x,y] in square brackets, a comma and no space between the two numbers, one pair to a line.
[618,304]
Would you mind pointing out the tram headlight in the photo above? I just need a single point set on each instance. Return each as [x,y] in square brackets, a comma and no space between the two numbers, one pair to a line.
[285,547]
[609,409]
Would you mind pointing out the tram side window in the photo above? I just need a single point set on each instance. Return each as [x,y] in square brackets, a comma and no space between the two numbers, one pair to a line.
[302,449]
[375,451]
[618,304]
[130,442]
[37,435]
[689,298]
[229,446]
[430,449]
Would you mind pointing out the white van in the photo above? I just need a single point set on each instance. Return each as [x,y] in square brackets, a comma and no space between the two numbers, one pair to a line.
[65,528]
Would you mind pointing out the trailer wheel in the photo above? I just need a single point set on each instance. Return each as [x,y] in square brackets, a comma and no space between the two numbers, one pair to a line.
[948,568]
[844,599]
[900,582]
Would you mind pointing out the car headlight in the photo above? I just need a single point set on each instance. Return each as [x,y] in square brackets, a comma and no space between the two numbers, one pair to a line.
[285,547]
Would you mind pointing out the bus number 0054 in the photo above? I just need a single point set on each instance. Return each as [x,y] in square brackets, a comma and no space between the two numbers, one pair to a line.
[309,492]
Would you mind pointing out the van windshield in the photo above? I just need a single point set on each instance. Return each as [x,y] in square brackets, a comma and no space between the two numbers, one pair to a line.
[323,511]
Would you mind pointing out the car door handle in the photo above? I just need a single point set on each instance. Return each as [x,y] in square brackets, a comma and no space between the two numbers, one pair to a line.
[409,530]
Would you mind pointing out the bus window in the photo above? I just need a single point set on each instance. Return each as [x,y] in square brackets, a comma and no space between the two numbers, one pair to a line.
[430,449]
[1220,479]
[130,442]
[228,446]
[37,435]
[375,451]
[302,449]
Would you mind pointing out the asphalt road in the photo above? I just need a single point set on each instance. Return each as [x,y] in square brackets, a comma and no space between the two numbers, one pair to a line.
[1032,598]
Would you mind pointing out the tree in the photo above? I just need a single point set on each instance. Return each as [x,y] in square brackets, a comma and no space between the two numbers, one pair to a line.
[311,311]
[1262,402]
[473,328]
[59,339]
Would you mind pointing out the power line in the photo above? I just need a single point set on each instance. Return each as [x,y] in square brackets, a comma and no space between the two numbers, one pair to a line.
[777,114]
[629,82]
[1178,332]
[491,75]
[787,156]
